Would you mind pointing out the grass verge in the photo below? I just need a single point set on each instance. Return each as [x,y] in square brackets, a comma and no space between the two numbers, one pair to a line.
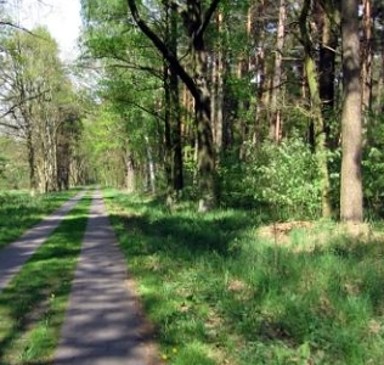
[32,307]
[218,293]
[19,211]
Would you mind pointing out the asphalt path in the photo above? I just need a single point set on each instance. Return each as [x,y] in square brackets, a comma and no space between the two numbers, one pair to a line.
[103,323]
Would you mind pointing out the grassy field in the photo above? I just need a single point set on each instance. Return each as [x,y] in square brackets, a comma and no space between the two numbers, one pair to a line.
[220,291]
[19,211]
[32,307]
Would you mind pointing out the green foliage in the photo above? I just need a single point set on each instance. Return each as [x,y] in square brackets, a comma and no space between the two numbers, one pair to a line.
[217,289]
[126,126]
[282,178]
[13,166]
[3,164]
[373,169]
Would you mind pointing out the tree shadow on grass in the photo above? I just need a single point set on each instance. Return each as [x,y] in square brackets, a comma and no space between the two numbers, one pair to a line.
[183,231]
[20,212]
[290,297]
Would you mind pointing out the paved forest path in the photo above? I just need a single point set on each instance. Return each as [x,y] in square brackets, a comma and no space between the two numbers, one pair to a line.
[103,325]
[14,255]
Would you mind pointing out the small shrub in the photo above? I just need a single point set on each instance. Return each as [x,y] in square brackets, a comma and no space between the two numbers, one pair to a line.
[282,178]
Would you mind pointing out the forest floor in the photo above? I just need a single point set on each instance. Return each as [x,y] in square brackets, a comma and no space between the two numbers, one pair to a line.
[217,288]
[222,288]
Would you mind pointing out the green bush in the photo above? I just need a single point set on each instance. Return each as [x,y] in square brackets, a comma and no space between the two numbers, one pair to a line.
[281,178]
[373,170]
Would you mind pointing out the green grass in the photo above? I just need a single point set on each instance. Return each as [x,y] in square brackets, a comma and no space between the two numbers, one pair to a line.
[19,211]
[32,307]
[218,292]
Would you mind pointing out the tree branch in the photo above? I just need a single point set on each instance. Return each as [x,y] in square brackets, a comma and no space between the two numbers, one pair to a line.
[207,18]
[162,48]
[11,126]
[143,108]
[124,65]
[20,103]
[12,25]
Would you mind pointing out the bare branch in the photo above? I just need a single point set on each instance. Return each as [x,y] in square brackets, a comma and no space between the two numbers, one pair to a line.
[11,126]
[207,17]
[21,102]
[12,25]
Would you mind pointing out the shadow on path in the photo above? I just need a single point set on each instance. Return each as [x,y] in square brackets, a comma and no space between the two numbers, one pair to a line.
[103,323]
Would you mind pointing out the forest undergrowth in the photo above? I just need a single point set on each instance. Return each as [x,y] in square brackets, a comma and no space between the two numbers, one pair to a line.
[221,288]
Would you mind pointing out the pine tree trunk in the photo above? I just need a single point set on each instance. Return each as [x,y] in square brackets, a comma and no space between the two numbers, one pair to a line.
[351,199]
[276,116]
[367,57]
[327,64]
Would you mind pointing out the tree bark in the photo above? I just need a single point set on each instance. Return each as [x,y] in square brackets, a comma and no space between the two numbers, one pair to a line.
[327,65]
[351,199]
[276,115]
[130,178]
[31,160]
[218,88]
[367,57]
[316,111]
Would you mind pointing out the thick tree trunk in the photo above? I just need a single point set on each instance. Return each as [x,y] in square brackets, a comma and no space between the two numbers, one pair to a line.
[351,200]
[206,154]
[173,140]
[319,135]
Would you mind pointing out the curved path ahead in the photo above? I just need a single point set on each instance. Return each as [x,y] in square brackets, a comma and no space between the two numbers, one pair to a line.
[103,325]
[13,256]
